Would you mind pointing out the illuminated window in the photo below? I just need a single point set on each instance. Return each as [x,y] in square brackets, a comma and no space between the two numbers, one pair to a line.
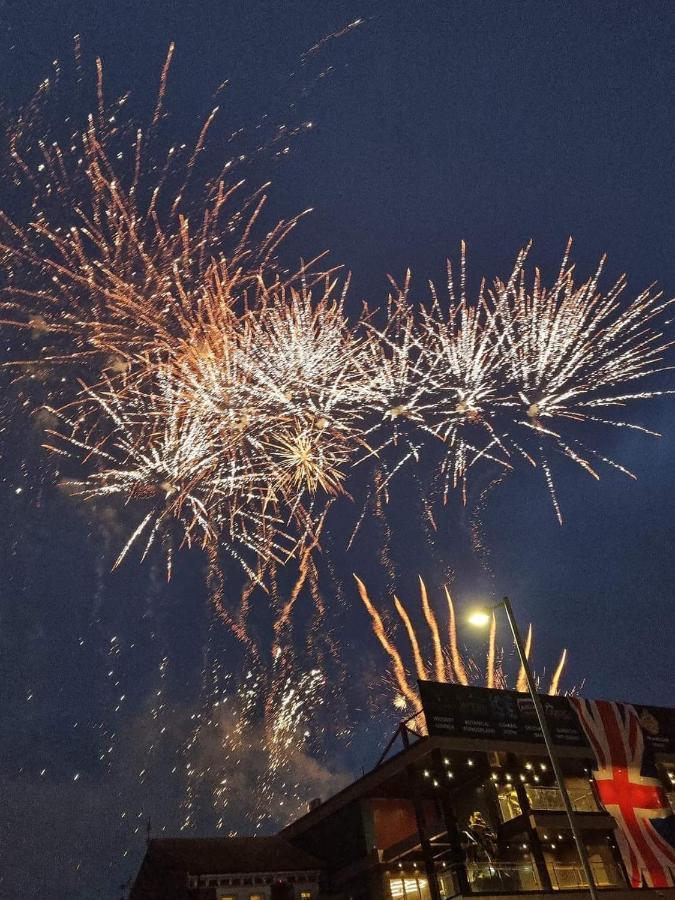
[409,888]
[256,897]
[305,895]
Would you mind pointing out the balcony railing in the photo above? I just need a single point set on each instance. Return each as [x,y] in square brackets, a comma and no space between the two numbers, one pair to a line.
[570,877]
[487,877]
[550,799]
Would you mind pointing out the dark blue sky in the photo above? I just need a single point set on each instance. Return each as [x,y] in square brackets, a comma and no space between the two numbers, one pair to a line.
[439,121]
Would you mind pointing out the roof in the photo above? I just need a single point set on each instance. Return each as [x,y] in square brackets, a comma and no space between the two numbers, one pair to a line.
[168,861]
[203,856]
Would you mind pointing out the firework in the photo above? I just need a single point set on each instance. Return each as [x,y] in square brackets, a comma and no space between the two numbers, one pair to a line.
[303,361]
[148,450]
[229,400]
[128,246]
[446,662]
[463,357]
[572,352]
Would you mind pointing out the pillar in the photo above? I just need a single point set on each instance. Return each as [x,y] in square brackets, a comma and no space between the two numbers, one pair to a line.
[425,844]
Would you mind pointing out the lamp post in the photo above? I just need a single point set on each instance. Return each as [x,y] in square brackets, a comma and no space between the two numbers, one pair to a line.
[482,617]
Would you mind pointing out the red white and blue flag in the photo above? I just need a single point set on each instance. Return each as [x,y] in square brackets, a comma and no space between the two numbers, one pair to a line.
[629,788]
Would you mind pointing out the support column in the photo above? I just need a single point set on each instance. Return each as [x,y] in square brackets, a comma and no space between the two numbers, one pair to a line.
[535,844]
[425,844]
[458,860]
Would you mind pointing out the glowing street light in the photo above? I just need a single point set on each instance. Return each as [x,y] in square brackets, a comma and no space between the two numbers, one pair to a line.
[480,617]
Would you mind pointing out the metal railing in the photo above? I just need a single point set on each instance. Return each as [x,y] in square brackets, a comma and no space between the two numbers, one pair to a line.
[550,799]
[570,877]
[496,876]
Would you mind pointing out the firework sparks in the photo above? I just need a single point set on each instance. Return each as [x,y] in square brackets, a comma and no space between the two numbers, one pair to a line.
[221,396]
[155,454]
[572,351]
[109,265]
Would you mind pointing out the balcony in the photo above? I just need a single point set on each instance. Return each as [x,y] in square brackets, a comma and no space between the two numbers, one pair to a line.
[565,878]
[549,799]
[485,878]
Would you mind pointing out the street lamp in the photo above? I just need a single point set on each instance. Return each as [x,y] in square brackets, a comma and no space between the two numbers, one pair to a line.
[480,618]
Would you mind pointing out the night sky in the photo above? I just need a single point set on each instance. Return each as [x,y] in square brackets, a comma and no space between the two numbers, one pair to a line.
[434,122]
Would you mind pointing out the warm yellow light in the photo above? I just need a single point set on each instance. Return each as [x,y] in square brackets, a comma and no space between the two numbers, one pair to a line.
[479,618]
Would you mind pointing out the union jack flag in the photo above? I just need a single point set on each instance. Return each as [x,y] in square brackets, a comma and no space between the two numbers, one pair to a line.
[629,788]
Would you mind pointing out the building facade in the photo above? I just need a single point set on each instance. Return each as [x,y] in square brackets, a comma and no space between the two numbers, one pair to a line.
[464,802]
[231,868]
[469,803]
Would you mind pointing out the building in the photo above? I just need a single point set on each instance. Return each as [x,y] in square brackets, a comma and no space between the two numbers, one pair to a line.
[233,868]
[464,802]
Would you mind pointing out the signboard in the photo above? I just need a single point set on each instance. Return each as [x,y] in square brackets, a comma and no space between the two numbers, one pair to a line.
[658,727]
[455,710]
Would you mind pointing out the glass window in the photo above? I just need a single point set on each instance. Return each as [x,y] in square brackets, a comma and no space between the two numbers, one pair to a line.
[549,798]
[305,895]
[409,888]
[563,863]
[447,885]
[256,897]
[581,794]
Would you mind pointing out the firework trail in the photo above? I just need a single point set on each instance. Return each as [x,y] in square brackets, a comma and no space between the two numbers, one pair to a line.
[554,687]
[420,667]
[457,667]
[452,666]
[521,683]
[399,668]
[439,662]
[491,657]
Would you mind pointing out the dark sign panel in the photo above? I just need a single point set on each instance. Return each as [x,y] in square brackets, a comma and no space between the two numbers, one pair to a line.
[658,727]
[454,710]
